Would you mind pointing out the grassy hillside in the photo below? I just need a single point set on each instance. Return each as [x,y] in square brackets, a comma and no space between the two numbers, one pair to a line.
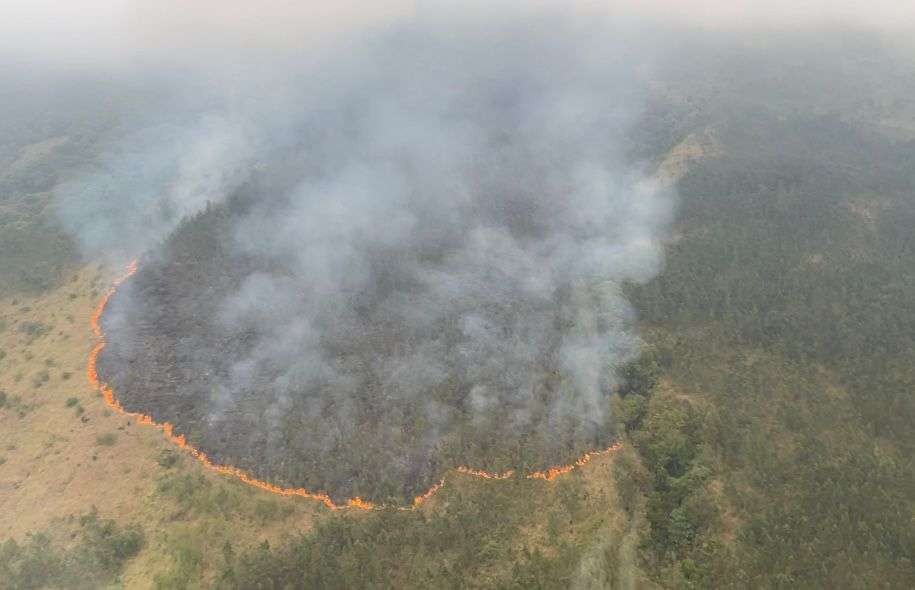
[66,456]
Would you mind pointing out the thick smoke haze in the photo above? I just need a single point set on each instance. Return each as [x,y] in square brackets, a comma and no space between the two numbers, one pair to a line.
[151,179]
[441,214]
[457,184]
[121,33]
[433,213]
[426,214]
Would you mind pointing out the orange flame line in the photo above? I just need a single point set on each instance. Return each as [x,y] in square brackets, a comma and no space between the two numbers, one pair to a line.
[551,473]
[181,442]
[484,474]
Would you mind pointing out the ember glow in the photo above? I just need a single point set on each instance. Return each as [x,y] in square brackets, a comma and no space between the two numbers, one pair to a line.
[181,442]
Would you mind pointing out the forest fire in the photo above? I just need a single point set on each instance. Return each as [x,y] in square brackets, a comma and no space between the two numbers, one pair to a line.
[485,474]
[428,494]
[553,472]
[181,442]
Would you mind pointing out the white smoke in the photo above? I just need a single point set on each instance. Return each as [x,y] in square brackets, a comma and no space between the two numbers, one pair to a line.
[150,180]
[449,221]
[460,181]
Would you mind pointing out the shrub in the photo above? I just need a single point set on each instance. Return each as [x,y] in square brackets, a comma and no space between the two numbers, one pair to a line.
[185,564]
[266,509]
[34,564]
[168,458]
[107,546]
[40,378]
[94,561]
[106,440]
[72,402]
[34,329]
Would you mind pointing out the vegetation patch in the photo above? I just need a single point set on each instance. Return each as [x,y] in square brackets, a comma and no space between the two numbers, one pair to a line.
[33,329]
[95,560]
[107,439]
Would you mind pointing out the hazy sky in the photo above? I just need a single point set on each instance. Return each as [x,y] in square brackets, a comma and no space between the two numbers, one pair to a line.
[113,30]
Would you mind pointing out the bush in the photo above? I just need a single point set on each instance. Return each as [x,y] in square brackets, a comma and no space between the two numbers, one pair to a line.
[184,569]
[106,440]
[168,458]
[641,375]
[72,402]
[108,546]
[93,562]
[266,509]
[33,564]
[34,329]
[40,378]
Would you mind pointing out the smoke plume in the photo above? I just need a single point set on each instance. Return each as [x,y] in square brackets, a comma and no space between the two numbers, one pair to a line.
[447,221]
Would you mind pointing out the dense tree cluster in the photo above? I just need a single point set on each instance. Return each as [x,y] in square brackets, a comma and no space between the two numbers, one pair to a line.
[786,314]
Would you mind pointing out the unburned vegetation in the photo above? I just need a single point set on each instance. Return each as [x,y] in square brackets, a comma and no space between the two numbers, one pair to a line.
[96,558]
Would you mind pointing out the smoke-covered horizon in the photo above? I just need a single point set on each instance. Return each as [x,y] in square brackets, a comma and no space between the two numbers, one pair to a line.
[119,33]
